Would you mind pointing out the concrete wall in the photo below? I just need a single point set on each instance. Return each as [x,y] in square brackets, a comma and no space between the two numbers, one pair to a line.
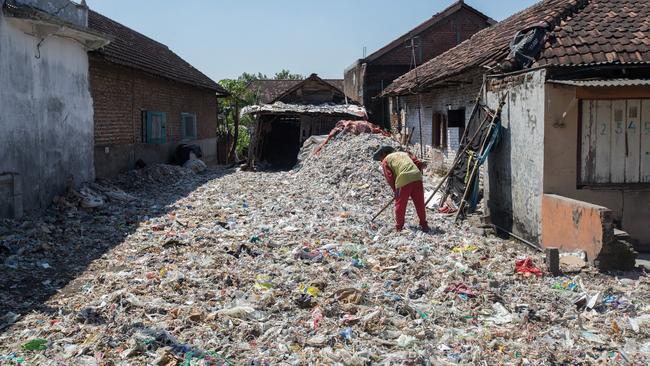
[113,160]
[122,94]
[11,197]
[570,225]
[46,113]
[515,179]
[438,101]
[64,9]
[630,206]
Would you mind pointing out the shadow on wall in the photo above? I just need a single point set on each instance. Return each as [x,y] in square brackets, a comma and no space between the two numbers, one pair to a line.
[51,250]
[500,183]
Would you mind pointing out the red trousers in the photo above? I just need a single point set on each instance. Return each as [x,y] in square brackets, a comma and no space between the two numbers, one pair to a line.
[414,191]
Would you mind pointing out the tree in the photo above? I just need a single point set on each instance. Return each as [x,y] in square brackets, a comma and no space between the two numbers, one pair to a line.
[241,97]
[285,74]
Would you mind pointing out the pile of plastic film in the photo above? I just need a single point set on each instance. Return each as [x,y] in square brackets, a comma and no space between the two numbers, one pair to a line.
[255,268]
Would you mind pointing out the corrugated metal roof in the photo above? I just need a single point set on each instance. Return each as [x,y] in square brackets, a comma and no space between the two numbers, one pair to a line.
[603,82]
[305,109]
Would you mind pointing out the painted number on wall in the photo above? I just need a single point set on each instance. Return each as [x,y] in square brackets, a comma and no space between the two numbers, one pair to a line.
[615,141]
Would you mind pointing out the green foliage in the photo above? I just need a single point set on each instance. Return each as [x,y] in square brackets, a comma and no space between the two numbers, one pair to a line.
[241,97]
[287,75]
[243,140]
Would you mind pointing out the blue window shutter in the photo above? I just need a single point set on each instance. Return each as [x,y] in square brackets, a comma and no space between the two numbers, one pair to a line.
[183,127]
[188,126]
[163,127]
[148,127]
[195,131]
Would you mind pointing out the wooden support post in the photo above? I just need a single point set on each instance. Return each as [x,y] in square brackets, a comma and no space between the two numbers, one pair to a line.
[233,150]
[553,261]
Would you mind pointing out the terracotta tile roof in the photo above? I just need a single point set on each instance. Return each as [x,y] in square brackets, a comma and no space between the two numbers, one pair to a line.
[604,31]
[270,90]
[132,49]
[583,32]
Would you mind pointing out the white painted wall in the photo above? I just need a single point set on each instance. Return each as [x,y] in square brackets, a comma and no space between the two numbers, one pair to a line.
[516,165]
[438,101]
[46,113]
[64,9]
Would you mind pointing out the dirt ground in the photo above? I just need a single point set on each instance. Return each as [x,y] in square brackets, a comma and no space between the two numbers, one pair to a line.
[268,268]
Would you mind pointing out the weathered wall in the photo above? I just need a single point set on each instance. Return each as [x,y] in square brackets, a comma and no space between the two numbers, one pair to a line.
[122,94]
[63,9]
[353,81]
[629,205]
[438,101]
[516,165]
[46,113]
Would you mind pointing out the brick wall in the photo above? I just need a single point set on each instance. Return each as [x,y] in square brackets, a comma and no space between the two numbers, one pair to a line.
[438,101]
[365,85]
[444,35]
[121,94]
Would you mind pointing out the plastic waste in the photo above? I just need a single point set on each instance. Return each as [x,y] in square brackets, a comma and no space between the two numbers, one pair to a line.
[526,266]
[253,268]
[35,345]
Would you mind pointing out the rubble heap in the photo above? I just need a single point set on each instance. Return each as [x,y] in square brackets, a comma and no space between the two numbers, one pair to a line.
[251,268]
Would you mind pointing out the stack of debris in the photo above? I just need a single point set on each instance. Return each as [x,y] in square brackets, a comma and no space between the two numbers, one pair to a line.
[284,268]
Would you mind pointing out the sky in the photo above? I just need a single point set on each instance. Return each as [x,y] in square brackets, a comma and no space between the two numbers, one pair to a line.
[224,38]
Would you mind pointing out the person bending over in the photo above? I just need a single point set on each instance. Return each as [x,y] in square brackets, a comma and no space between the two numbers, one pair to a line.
[403,171]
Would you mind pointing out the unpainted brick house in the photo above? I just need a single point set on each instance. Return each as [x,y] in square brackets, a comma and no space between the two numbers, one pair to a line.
[367,77]
[290,112]
[572,169]
[147,101]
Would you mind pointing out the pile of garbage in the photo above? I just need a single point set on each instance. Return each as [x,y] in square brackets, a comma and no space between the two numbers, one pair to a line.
[232,268]
[352,128]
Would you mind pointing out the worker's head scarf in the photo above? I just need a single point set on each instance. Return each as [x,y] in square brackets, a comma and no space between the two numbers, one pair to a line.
[382,151]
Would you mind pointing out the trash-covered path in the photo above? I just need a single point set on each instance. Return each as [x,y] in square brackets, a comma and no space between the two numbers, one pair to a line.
[237,268]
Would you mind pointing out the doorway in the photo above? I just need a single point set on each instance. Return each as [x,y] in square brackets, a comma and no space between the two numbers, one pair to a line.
[282,144]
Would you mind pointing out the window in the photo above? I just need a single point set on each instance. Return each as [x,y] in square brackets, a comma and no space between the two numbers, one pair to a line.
[455,127]
[154,129]
[188,126]
[615,141]
[439,130]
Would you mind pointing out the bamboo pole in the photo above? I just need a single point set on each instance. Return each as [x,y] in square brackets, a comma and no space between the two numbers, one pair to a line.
[456,160]
[480,152]
[382,210]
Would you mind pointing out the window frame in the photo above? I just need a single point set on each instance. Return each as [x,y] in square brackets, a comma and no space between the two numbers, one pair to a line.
[439,131]
[184,136]
[147,126]
[580,183]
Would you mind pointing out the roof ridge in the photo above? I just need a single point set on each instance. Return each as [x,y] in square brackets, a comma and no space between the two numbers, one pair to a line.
[420,28]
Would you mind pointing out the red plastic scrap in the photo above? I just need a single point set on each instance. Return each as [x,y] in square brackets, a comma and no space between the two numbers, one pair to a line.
[527,266]
[461,289]
[354,127]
